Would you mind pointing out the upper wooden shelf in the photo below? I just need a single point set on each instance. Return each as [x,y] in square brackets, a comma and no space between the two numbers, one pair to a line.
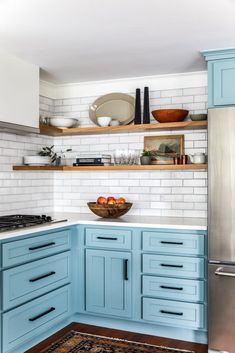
[54,131]
[114,167]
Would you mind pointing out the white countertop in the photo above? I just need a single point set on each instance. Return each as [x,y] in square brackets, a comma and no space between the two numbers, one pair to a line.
[125,221]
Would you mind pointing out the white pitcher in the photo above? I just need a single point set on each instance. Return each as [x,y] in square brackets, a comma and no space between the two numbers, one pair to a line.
[198,158]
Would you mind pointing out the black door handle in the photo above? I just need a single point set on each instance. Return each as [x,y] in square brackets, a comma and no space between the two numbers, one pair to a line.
[42,314]
[172,242]
[126,269]
[42,246]
[168,265]
[168,287]
[42,276]
[107,238]
[171,312]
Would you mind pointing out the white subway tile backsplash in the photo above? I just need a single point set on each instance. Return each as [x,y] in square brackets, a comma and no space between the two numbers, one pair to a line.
[156,193]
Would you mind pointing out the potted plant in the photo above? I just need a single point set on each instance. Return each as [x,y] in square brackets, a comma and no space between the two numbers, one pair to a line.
[145,158]
[55,157]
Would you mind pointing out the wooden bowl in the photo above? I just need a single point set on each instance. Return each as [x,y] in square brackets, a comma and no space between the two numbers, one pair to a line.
[169,115]
[109,211]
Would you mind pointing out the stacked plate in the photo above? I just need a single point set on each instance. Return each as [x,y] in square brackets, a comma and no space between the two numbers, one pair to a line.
[37,160]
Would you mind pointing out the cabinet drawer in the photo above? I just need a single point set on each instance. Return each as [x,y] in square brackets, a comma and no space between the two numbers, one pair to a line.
[33,248]
[29,320]
[108,238]
[173,313]
[28,281]
[174,288]
[176,266]
[170,243]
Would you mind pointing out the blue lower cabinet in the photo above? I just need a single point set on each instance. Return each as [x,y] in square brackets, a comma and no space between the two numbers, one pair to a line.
[29,320]
[174,266]
[30,249]
[28,281]
[174,313]
[108,282]
[174,288]
[174,243]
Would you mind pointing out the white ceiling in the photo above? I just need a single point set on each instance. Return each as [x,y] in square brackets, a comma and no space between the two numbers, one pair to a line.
[84,40]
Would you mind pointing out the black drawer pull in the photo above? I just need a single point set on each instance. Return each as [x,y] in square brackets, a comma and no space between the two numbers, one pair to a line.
[171,312]
[126,269]
[168,287]
[107,238]
[172,242]
[168,265]
[41,277]
[42,314]
[42,246]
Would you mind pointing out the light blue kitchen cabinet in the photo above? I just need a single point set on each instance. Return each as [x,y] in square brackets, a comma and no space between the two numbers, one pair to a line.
[221,77]
[135,278]
[174,313]
[108,282]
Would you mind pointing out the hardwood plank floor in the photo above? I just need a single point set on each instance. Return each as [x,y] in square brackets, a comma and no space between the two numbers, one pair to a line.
[131,336]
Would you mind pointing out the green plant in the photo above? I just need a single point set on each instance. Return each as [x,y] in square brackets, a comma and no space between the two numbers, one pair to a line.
[146,153]
[49,152]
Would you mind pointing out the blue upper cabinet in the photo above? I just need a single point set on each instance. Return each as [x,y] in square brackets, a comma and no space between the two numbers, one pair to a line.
[221,77]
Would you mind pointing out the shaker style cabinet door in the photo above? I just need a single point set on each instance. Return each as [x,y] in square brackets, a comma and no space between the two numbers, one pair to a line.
[108,282]
[224,82]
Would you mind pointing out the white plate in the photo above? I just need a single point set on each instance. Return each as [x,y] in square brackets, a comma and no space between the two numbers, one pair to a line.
[118,106]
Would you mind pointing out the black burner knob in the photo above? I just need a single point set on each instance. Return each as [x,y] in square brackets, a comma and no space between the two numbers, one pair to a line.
[48,219]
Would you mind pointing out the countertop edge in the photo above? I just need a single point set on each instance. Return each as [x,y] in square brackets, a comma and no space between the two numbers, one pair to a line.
[125,222]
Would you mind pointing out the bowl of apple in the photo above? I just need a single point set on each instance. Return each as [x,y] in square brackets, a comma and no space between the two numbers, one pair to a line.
[109,207]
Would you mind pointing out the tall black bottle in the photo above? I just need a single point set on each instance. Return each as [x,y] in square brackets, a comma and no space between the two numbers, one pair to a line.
[146,115]
[137,119]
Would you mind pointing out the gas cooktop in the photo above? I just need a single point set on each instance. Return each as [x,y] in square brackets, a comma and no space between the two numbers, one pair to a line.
[20,221]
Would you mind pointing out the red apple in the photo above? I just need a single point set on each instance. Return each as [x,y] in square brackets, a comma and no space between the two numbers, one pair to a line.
[101,201]
[112,202]
[121,201]
[111,198]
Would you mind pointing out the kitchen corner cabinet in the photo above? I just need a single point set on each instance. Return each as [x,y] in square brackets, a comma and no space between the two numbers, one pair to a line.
[138,279]
[19,93]
[221,77]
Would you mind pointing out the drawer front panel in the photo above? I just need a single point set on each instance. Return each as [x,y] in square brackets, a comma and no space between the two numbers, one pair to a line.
[175,266]
[170,243]
[29,320]
[28,281]
[108,238]
[173,313]
[172,288]
[33,248]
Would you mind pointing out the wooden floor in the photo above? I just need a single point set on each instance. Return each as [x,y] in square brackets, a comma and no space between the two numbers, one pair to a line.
[197,348]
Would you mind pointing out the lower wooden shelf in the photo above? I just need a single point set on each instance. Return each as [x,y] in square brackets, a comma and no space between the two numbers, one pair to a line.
[112,167]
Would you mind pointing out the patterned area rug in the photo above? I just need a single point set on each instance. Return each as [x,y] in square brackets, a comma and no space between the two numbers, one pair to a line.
[77,342]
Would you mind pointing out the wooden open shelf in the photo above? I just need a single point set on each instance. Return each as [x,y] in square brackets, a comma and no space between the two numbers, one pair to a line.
[54,131]
[113,167]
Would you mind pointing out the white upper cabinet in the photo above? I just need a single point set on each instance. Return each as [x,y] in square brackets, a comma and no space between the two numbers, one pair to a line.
[19,93]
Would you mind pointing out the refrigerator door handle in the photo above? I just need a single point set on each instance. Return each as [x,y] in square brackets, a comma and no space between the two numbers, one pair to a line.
[219,272]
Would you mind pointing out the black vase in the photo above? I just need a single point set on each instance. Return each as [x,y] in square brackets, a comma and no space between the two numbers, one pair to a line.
[146,115]
[137,119]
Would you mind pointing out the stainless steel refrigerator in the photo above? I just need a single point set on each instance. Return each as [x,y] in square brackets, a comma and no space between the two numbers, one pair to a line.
[221,176]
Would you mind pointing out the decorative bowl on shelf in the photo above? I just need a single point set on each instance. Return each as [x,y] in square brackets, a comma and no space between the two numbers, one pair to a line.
[169,115]
[104,120]
[198,117]
[62,121]
[109,211]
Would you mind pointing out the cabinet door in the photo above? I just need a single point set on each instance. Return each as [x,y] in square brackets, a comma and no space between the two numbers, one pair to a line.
[19,92]
[224,82]
[108,282]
